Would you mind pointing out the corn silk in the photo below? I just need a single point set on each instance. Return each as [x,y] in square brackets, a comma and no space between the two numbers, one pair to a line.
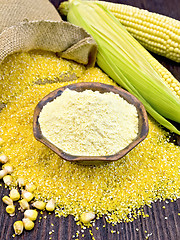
[119,189]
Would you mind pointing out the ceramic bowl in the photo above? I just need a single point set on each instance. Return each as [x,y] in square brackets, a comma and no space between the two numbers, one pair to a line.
[143,126]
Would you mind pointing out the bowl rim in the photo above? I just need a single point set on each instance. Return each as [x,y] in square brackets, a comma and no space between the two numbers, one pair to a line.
[94,86]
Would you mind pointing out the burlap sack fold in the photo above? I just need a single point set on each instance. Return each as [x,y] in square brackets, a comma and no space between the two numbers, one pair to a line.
[35,24]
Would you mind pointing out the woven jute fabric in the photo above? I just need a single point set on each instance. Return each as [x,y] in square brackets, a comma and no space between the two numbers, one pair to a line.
[36,24]
[13,12]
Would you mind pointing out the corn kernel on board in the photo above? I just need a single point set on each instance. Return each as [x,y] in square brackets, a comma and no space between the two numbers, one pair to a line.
[163,220]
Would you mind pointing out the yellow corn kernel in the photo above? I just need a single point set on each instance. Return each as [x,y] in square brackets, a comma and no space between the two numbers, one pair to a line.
[14,194]
[39,205]
[7,180]
[3,158]
[28,224]
[27,195]
[10,209]
[86,217]
[8,168]
[50,206]
[21,182]
[18,227]
[24,204]
[31,214]
[2,173]
[7,200]
[30,187]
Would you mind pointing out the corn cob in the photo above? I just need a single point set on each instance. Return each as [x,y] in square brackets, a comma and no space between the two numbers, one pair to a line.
[159,34]
[117,9]
[171,82]
[123,59]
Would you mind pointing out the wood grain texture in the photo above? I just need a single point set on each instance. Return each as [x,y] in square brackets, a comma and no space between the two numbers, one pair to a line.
[162,223]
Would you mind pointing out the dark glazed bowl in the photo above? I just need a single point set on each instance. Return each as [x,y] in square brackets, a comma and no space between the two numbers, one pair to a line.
[79,87]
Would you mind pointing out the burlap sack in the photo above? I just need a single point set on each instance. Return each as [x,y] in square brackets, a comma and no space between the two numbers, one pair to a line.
[35,24]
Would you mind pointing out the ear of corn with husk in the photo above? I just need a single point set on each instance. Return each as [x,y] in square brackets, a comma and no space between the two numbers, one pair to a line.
[122,58]
[158,33]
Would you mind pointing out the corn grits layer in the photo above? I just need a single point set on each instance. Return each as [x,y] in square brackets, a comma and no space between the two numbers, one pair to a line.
[149,172]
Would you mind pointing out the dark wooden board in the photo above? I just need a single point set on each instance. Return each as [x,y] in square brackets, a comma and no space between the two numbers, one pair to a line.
[162,223]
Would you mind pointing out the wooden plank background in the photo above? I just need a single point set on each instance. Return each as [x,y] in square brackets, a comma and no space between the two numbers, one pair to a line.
[162,223]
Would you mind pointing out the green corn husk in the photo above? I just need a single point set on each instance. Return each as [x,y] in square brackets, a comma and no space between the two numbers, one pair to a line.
[119,56]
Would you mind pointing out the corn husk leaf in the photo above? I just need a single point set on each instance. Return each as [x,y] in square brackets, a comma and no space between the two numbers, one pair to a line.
[119,56]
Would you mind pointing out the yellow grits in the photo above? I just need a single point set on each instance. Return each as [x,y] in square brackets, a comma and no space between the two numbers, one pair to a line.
[149,172]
